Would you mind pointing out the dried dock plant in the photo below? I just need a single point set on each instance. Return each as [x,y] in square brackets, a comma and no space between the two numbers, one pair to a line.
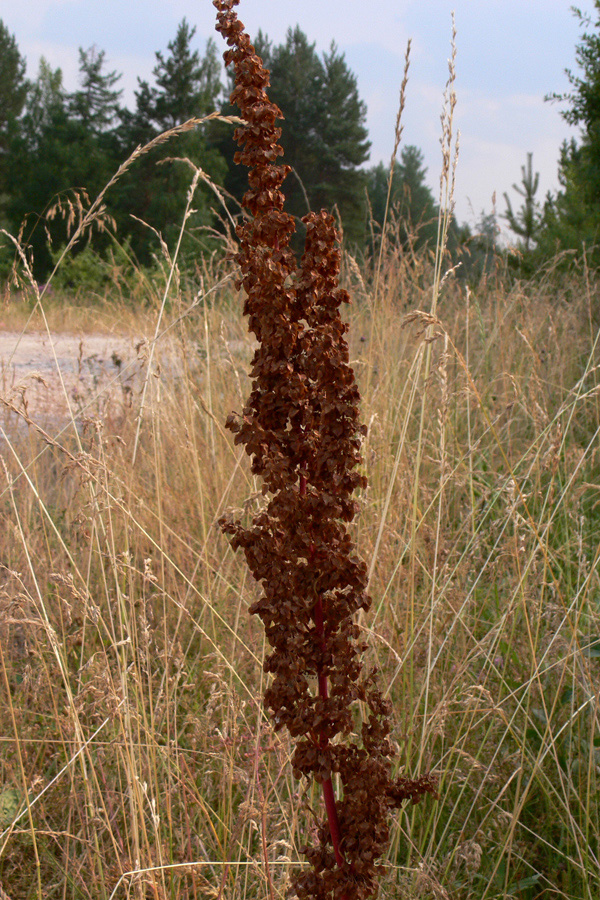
[301,428]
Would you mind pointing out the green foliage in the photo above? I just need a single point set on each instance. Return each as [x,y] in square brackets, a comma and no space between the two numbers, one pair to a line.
[154,190]
[80,273]
[77,141]
[150,199]
[113,273]
[13,87]
[74,142]
[13,91]
[525,223]
[411,201]
[7,259]
[478,250]
[572,219]
[186,85]
[65,142]
[42,161]
[96,104]
[325,139]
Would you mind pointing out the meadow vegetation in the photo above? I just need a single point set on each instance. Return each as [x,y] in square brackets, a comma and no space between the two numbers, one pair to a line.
[137,759]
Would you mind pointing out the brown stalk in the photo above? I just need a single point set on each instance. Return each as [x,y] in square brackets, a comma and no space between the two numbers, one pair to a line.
[328,792]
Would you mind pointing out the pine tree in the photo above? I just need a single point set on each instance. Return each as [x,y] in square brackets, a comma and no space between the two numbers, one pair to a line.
[13,93]
[572,218]
[186,85]
[96,104]
[13,86]
[325,139]
[94,116]
[65,143]
[412,206]
[526,221]
[40,160]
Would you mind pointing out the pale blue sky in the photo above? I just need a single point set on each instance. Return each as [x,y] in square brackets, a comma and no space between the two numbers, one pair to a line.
[510,53]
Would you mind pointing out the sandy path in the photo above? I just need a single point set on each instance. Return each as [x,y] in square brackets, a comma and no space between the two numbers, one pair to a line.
[96,369]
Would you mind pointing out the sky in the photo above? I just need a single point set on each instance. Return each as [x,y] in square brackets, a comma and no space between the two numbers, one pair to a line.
[509,55]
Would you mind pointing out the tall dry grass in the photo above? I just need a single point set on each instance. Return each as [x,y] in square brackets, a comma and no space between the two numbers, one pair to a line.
[136,759]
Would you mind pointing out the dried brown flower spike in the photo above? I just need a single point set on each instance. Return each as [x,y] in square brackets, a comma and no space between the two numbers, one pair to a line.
[301,428]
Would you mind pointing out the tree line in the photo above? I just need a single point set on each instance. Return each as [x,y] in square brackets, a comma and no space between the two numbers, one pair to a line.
[59,148]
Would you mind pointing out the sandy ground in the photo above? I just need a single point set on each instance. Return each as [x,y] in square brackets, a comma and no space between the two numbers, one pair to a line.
[47,375]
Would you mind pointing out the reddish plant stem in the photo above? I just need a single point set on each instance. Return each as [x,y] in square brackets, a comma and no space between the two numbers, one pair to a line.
[328,792]
[320,626]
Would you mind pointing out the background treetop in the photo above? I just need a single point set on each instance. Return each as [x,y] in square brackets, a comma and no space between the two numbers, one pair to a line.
[325,139]
[96,104]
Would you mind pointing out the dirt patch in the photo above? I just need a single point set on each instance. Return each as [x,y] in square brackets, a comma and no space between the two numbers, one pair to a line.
[53,377]
[61,377]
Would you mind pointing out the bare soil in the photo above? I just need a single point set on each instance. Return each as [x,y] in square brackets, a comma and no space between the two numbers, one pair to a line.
[52,377]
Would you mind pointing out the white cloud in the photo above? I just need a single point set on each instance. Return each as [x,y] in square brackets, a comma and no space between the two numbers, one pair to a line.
[19,17]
